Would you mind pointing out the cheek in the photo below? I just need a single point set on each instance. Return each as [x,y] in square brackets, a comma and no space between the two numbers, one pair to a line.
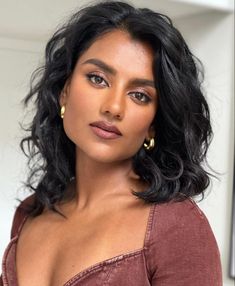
[141,122]
[81,103]
[78,110]
[78,101]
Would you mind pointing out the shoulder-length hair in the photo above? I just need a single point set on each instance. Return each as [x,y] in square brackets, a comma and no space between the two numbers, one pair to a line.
[174,168]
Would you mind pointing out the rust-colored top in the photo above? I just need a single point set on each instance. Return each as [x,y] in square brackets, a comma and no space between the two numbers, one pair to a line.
[179,249]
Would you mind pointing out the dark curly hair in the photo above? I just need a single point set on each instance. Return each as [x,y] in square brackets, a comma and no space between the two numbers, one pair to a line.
[174,168]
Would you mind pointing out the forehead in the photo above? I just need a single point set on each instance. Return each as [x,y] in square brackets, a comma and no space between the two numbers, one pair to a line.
[118,49]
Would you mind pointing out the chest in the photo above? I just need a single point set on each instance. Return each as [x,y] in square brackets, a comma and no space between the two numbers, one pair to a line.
[54,251]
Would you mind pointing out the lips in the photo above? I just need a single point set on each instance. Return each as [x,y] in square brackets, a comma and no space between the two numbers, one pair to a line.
[105,131]
[106,127]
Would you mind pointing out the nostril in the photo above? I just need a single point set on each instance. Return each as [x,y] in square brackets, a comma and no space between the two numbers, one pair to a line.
[113,108]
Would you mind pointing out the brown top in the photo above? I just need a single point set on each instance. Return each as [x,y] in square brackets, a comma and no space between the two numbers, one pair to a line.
[179,249]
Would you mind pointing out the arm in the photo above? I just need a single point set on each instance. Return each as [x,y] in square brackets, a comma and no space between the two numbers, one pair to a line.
[184,250]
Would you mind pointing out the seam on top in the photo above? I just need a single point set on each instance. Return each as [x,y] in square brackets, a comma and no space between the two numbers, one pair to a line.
[147,245]
[4,270]
[19,229]
[100,265]
[149,226]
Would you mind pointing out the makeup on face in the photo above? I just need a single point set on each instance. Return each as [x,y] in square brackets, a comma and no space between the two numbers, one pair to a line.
[141,83]
[112,99]
[105,130]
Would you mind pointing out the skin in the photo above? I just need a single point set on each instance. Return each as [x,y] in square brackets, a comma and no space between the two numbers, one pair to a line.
[114,98]
[104,175]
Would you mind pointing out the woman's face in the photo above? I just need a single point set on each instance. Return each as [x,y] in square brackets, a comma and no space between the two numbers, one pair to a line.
[110,99]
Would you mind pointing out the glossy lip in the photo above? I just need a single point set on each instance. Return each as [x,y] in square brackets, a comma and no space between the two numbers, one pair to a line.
[104,130]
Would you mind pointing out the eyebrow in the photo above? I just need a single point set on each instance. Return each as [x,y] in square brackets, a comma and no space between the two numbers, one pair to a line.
[112,71]
[101,65]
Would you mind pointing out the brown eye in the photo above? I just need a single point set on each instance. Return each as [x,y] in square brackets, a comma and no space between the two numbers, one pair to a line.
[96,79]
[140,96]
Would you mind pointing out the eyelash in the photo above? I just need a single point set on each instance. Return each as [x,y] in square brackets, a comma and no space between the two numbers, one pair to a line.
[92,76]
[147,98]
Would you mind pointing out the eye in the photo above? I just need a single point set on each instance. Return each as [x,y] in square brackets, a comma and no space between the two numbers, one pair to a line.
[97,80]
[140,96]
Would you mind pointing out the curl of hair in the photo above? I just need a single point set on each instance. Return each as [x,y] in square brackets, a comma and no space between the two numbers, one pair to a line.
[173,169]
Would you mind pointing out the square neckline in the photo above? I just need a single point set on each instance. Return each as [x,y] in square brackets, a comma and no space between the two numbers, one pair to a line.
[95,267]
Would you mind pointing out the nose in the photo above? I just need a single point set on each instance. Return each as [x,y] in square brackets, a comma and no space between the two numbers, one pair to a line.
[114,104]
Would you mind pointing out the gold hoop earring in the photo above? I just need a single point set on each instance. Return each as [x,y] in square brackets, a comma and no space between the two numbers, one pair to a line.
[150,144]
[62,111]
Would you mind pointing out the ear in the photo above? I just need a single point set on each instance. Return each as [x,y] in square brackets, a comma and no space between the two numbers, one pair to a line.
[62,98]
[64,94]
[151,132]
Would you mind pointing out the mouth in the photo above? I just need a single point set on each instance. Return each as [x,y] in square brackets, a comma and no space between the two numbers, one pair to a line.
[105,130]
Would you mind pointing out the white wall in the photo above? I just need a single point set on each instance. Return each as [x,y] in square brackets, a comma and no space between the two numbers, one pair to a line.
[210,37]
[217,4]
[17,61]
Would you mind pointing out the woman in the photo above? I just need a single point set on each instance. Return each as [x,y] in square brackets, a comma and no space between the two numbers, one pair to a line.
[115,149]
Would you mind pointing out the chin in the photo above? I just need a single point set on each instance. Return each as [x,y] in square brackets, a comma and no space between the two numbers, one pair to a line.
[108,158]
[106,155]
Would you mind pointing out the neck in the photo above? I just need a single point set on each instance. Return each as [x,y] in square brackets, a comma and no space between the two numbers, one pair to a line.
[96,182]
